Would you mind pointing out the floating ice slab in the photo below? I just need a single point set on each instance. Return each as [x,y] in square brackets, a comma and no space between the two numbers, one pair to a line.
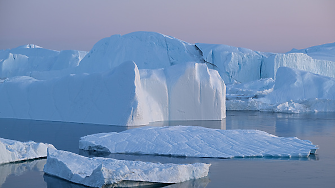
[194,141]
[97,171]
[12,151]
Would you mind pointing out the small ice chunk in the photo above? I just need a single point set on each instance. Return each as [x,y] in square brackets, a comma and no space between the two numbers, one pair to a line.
[12,151]
[192,141]
[97,171]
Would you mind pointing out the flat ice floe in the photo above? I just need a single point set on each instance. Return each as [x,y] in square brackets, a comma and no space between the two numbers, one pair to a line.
[97,171]
[192,141]
[12,151]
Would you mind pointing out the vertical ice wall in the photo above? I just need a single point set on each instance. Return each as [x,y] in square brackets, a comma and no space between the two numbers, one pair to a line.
[297,61]
[122,96]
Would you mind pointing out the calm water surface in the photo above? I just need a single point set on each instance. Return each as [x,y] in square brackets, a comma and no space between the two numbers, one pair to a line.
[315,171]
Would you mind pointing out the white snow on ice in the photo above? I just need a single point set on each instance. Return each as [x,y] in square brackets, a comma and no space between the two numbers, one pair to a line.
[96,172]
[12,151]
[193,141]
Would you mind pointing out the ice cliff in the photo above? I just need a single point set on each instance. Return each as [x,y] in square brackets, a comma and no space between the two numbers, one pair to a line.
[123,96]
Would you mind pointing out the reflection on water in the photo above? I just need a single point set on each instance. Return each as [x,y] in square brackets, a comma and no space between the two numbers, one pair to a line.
[54,182]
[20,168]
[214,124]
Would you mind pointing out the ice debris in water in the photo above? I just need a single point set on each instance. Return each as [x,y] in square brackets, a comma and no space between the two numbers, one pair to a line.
[12,150]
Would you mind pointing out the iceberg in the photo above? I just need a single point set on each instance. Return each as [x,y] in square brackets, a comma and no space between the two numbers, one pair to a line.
[13,151]
[321,52]
[170,80]
[124,96]
[31,60]
[96,171]
[293,91]
[192,141]
[234,64]
[298,61]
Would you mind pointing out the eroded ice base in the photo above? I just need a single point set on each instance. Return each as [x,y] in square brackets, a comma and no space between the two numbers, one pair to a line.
[97,171]
[192,141]
[12,150]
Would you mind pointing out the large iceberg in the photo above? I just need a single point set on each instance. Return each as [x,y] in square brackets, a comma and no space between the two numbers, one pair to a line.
[123,96]
[12,150]
[170,80]
[96,172]
[240,65]
[193,141]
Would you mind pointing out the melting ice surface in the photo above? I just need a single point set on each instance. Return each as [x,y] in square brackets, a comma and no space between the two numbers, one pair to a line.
[12,151]
[194,141]
[96,172]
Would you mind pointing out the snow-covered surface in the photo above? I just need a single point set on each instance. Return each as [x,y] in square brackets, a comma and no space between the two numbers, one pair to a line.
[293,91]
[96,172]
[193,141]
[124,96]
[149,50]
[12,151]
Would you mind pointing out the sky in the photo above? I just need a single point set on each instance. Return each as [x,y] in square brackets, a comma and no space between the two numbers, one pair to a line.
[261,25]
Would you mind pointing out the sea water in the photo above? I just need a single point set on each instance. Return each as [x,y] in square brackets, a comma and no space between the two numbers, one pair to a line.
[315,171]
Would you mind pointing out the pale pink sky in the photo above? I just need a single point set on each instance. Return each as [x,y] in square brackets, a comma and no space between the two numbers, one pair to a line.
[264,25]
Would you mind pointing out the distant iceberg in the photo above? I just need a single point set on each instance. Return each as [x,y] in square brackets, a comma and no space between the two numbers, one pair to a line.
[192,141]
[13,151]
[293,91]
[96,172]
